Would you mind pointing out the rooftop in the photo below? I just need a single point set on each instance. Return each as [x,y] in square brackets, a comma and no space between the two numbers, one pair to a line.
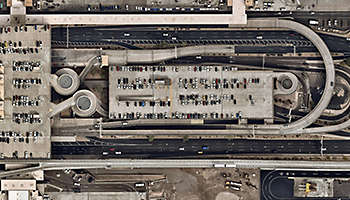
[26,58]
[189,92]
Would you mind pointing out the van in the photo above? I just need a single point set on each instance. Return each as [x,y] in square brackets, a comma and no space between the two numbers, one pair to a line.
[235,188]
[76,184]
[139,184]
[313,22]
[219,165]
[233,183]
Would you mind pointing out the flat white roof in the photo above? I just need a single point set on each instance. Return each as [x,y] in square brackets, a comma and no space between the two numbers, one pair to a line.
[18,185]
[18,195]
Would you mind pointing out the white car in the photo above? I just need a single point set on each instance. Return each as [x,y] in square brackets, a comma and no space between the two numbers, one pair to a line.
[165,34]
[126,34]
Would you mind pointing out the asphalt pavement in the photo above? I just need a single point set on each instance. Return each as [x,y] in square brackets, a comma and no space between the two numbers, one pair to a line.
[159,148]
[246,41]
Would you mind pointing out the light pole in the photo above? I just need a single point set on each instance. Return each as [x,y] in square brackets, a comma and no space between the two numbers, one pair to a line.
[322,149]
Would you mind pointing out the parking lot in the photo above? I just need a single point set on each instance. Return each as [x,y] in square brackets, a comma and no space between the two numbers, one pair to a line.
[189,92]
[139,6]
[26,59]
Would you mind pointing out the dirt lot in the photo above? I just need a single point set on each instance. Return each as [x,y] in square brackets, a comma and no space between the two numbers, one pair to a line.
[209,184]
[174,184]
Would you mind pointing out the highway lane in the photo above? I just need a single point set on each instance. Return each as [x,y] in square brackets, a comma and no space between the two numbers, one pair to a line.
[103,33]
[127,37]
[178,148]
[296,126]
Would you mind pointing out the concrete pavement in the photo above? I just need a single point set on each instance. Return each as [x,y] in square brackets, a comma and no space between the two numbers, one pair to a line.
[151,56]
[158,55]
[127,19]
[297,126]
[183,163]
[90,64]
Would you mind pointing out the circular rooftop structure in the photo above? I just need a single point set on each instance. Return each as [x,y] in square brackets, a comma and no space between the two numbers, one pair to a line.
[287,83]
[84,103]
[65,81]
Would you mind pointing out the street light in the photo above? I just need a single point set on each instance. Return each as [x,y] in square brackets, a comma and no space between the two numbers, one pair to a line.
[322,148]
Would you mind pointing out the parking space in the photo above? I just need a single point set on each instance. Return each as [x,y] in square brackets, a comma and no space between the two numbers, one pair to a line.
[26,59]
[298,5]
[2,90]
[189,92]
[129,5]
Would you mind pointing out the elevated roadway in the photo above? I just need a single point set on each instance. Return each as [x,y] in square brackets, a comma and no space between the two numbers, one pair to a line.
[294,127]
[327,129]
[174,163]
[297,126]
[90,64]
[158,55]
[151,56]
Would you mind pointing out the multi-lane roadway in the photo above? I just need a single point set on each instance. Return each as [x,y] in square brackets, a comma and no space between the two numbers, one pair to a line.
[246,41]
[196,147]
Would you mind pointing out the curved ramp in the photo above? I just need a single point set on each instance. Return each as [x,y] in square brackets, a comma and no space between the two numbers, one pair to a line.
[295,127]
[65,81]
[84,103]
[90,64]
[151,56]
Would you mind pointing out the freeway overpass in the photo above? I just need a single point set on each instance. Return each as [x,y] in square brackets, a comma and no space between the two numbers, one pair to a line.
[151,56]
[183,163]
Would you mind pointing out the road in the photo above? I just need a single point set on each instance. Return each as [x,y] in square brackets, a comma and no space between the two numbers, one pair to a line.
[55,164]
[162,148]
[294,127]
[242,39]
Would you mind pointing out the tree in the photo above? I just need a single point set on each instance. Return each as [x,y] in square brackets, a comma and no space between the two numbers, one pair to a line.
[150,138]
